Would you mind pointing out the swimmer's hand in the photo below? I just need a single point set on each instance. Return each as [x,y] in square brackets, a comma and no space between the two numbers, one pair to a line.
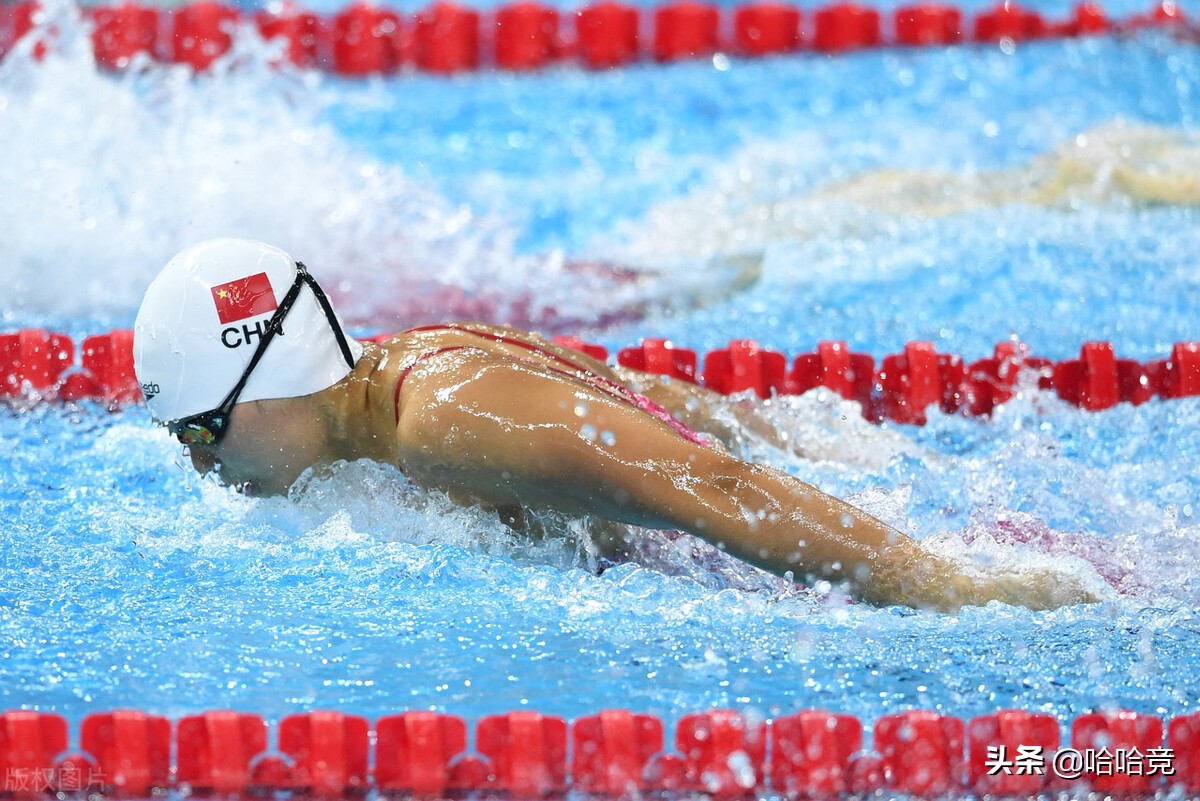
[1036,589]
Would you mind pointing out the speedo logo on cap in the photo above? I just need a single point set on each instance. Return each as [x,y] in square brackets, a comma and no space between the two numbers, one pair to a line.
[245,297]
[237,300]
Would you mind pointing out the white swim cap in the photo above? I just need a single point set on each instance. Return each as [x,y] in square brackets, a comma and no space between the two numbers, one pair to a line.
[203,317]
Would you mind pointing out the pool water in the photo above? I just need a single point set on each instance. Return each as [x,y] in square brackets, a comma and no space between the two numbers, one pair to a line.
[126,581]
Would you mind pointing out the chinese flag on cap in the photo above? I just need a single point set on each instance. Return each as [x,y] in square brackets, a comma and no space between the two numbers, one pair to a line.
[245,297]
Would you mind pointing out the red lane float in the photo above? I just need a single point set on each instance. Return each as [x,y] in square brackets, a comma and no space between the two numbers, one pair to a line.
[811,753]
[29,743]
[721,753]
[33,360]
[607,35]
[846,26]
[202,33]
[447,39]
[122,32]
[744,365]
[1108,734]
[660,356]
[132,752]
[612,750]
[301,30]
[364,41]
[1009,21]
[415,751]
[851,375]
[526,36]
[685,30]
[1002,749]
[928,24]
[1183,737]
[912,381]
[762,29]
[528,753]
[328,751]
[921,752]
[215,750]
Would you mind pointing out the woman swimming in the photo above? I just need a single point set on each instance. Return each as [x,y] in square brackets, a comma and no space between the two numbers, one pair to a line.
[240,354]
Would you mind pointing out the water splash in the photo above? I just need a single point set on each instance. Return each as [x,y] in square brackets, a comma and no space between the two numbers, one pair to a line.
[108,176]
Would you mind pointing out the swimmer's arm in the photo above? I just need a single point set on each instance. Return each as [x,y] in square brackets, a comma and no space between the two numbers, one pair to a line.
[508,436]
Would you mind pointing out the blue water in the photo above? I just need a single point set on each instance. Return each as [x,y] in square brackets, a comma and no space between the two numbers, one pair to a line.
[127,581]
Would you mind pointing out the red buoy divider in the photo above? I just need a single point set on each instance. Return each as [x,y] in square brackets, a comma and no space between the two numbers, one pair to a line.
[108,360]
[765,28]
[215,750]
[1088,19]
[590,348]
[607,34]
[121,32]
[1007,20]
[992,381]
[851,375]
[811,751]
[447,38]
[1165,12]
[1091,380]
[661,357]
[16,20]
[526,36]
[1002,749]
[528,752]
[611,752]
[1119,731]
[1183,737]
[414,750]
[301,30]
[744,365]
[202,32]
[328,752]
[721,754]
[363,40]
[927,24]
[29,742]
[1181,373]
[918,378]
[846,26]
[685,29]
[921,752]
[34,360]
[132,751]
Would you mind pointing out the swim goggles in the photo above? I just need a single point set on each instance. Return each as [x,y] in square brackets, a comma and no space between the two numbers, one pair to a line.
[208,428]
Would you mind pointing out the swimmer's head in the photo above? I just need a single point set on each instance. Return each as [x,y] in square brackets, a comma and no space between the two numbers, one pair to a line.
[233,320]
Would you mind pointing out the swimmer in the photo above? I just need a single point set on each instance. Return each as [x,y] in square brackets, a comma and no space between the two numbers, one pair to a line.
[240,354]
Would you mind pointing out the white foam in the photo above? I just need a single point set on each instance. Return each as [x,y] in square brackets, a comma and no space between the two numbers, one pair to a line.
[105,177]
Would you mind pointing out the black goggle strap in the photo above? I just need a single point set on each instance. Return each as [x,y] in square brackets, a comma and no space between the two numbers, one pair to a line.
[329,315]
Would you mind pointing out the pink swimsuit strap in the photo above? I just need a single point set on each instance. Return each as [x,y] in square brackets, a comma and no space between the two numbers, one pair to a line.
[603,383]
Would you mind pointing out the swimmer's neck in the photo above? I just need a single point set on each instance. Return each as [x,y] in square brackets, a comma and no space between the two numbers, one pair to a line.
[357,411]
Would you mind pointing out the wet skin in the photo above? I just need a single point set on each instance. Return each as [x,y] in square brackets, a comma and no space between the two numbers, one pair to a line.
[495,424]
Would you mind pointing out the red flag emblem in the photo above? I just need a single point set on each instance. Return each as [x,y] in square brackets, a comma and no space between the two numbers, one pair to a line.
[245,297]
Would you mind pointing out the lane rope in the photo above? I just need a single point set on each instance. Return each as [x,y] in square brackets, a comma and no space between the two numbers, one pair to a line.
[526,755]
[39,366]
[365,39]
